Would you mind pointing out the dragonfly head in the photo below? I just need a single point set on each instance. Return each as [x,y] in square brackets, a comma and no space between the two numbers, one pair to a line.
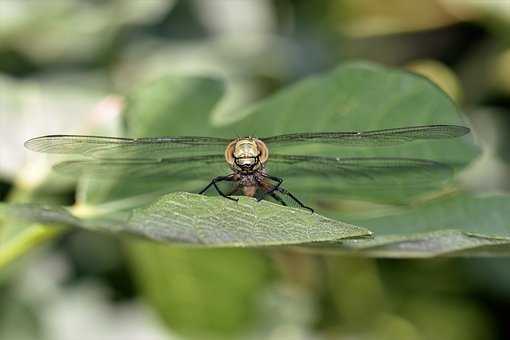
[246,154]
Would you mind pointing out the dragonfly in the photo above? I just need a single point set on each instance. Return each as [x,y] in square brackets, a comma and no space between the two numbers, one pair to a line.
[249,164]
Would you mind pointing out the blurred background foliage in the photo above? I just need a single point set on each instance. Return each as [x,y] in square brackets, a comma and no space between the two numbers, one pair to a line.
[66,66]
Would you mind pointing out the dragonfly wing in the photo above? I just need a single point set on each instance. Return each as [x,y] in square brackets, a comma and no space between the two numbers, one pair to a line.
[376,179]
[370,172]
[127,148]
[163,170]
[370,138]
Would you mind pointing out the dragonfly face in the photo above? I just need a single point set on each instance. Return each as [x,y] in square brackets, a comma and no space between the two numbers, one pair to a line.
[191,158]
[246,155]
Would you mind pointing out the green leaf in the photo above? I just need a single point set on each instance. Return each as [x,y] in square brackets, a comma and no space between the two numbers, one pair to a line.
[459,225]
[39,213]
[215,221]
[361,97]
[191,219]
[173,106]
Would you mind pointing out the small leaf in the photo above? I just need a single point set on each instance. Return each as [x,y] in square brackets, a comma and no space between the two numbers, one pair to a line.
[216,221]
[24,241]
[38,213]
[18,237]
[462,224]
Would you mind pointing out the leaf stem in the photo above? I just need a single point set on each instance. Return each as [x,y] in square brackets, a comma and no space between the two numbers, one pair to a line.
[24,241]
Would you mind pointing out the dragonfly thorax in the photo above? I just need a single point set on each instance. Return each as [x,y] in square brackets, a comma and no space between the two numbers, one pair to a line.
[246,154]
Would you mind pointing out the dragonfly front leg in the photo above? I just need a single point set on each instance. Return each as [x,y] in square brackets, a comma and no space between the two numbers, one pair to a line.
[276,179]
[294,198]
[278,198]
[214,182]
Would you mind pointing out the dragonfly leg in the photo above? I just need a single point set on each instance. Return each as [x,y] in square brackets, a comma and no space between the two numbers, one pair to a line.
[273,188]
[278,198]
[286,192]
[217,180]
[276,179]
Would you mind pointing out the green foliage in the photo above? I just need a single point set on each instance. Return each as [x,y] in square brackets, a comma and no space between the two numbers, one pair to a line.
[352,97]
[135,248]
[462,224]
[172,106]
[200,292]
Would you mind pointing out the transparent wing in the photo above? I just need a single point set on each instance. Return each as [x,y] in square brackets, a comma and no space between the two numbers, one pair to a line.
[346,171]
[127,148]
[363,169]
[122,179]
[366,178]
[163,170]
[163,147]
[376,179]
[370,138]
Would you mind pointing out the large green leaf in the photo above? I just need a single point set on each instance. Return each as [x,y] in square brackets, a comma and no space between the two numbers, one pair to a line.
[191,219]
[197,219]
[459,225]
[361,97]
[173,106]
